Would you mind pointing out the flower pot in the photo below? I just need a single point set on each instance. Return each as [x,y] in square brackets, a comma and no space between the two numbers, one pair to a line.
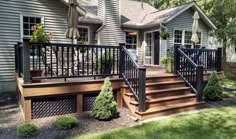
[169,67]
[36,73]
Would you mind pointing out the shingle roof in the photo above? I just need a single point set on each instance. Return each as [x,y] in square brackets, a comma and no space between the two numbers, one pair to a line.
[132,13]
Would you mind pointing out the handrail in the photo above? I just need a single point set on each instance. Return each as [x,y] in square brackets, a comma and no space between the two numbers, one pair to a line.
[134,76]
[131,57]
[189,71]
[189,59]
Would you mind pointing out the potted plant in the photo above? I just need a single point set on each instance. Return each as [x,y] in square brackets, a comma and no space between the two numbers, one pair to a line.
[168,62]
[105,64]
[39,36]
[164,35]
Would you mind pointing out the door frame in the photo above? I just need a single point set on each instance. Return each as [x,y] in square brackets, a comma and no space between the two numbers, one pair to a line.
[152,49]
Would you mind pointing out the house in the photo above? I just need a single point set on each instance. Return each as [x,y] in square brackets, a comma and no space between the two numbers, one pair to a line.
[117,31]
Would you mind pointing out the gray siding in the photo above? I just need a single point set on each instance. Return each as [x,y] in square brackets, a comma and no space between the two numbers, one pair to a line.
[184,22]
[54,13]
[109,12]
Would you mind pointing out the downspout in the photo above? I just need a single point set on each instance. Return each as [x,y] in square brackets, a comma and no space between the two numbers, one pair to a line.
[163,27]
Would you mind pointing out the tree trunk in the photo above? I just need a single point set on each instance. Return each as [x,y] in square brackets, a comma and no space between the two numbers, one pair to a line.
[224,54]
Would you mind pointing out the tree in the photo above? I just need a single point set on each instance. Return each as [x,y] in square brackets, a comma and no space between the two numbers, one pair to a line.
[223,14]
[104,107]
[213,89]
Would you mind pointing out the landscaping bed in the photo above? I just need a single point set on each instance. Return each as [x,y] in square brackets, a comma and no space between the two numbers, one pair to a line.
[11,117]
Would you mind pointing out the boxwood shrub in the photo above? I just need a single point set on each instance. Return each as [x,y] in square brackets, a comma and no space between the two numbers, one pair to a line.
[27,130]
[67,122]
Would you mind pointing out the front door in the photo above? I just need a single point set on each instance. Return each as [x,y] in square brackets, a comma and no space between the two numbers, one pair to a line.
[156,54]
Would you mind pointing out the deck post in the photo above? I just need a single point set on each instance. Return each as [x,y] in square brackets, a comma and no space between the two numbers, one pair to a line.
[176,59]
[26,62]
[199,83]
[122,59]
[142,89]
[218,60]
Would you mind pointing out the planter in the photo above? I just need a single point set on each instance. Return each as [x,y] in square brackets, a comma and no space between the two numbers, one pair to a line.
[169,66]
[36,73]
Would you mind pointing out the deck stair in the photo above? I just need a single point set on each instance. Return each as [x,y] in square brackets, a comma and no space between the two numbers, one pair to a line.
[165,95]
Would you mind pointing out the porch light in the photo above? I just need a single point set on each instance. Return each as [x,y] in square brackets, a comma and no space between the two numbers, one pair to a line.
[132,33]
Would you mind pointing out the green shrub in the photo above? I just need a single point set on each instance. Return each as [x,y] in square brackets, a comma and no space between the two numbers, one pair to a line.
[104,107]
[27,130]
[213,89]
[67,122]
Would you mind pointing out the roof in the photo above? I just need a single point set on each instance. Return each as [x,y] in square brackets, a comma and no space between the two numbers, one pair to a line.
[147,16]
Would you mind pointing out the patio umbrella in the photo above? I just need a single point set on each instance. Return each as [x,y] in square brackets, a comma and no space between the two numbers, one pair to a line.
[72,21]
[194,37]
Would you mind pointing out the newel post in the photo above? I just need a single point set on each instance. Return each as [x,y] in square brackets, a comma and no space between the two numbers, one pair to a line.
[176,59]
[199,83]
[219,59]
[122,59]
[142,89]
[26,62]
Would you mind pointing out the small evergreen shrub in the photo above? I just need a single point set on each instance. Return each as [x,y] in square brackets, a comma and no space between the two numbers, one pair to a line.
[104,107]
[213,89]
[67,122]
[27,130]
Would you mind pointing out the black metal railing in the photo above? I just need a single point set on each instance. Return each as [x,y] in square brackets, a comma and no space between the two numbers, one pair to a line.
[190,64]
[50,61]
[210,59]
[134,76]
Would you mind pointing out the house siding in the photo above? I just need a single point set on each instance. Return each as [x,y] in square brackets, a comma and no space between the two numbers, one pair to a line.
[54,13]
[109,12]
[184,22]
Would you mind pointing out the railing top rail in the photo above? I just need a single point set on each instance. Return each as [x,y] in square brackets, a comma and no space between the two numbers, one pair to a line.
[75,45]
[190,60]
[131,57]
[197,49]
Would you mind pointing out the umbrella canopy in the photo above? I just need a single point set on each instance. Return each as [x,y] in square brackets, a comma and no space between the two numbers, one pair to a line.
[195,38]
[72,21]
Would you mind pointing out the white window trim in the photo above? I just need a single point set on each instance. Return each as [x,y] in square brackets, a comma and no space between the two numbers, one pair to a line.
[22,24]
[183,37]
[87,27]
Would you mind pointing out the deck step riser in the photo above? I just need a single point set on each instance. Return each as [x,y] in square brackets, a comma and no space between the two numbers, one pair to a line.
[171,102]
[167,94]
[152,80]
[165,86]
[169,112]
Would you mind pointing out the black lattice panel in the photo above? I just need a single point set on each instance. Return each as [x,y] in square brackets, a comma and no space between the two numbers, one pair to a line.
[89,99]
[52,106]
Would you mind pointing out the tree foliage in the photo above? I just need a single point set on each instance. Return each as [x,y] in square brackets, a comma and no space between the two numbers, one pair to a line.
[213,89]
[104,107]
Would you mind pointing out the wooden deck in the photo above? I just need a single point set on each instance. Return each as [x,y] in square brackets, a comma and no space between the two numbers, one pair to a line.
[79,88]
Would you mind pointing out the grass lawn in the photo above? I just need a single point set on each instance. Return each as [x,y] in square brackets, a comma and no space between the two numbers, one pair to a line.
[214,123]
[230,86]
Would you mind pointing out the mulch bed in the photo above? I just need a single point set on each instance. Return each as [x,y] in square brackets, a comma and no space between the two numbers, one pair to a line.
[10,117]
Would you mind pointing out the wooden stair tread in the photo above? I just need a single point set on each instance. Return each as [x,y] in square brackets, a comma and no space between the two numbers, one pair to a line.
[165,82]
[169,107]
[159,76]
[160,83]
[165,98]
[162,90]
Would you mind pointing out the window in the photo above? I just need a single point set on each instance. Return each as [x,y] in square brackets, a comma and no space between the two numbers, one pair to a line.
[186,40]
[131,40]
[84,34]
[28,22]
[178,37]
[148,50]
